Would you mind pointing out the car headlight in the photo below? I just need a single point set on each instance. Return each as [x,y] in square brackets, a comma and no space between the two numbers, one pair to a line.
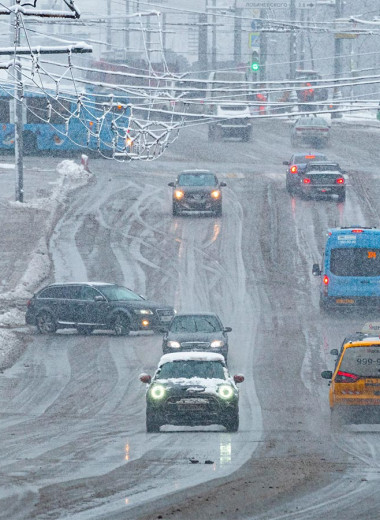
[226,391]
[143,311]
[157,392]
[179,194]
[215,194]
[174,344]
[217,343]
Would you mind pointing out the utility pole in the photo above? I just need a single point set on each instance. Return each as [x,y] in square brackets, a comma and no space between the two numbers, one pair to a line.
[302,43]
[20,10]
[263,47]
[237,35]
[213,45]
[126,33]
[109,34]
[337,56]
[292,42]
[202,43]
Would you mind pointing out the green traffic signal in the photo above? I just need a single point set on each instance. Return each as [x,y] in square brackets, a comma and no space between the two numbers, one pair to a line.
[255,66]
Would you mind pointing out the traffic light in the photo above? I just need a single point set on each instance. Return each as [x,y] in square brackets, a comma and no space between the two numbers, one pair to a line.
[255,62]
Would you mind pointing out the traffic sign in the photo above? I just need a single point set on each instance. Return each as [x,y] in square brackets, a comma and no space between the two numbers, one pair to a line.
[254,39]
[262,4]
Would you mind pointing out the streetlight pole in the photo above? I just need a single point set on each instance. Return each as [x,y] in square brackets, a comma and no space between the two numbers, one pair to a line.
[16,51]
[292,43]
[337,56]
[237,35]
[19,139]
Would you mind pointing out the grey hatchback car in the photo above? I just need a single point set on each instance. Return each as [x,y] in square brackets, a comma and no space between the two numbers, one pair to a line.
[197,190]
[95,305]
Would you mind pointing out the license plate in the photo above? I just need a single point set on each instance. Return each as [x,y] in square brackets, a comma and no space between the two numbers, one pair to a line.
[324,190]
[166,318]
[345,300]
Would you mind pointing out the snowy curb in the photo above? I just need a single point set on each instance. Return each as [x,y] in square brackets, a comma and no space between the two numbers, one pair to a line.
[71,176]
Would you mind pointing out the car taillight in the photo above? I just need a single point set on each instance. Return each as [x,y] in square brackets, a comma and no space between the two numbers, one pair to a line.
[294,169]
[309,156]
[345,377]
[356,231]
[340,180]
[326,280]
[306,180]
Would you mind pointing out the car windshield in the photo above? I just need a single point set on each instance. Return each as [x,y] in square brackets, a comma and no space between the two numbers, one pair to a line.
[197,179]
[305,159]
[118,293]
[191,368]
[324,167]
[312,121]
[362,361]
[355,262]
[195,324]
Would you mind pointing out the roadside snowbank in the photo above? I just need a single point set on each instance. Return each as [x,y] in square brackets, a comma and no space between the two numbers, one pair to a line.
[70,177]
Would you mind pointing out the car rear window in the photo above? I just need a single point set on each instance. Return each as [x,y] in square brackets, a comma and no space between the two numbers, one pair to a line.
[362,361]
[299,159]
[203,179]
[323,167]
[355,262]
[64,292]
[191,368]
[195,324]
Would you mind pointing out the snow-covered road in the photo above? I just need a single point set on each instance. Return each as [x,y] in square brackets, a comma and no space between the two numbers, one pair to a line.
[72,407]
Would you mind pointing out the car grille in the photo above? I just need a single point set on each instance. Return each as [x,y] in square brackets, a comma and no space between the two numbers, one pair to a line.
[196,197]
[177,405]
[195,344]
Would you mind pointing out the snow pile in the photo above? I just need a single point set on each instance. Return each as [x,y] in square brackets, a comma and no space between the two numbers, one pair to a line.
[70,177]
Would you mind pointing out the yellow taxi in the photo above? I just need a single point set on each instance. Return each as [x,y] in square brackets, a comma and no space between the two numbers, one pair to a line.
[355,382]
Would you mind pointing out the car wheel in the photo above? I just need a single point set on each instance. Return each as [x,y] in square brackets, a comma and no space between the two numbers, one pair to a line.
[152,424]
[175,210]
[246,136]
[338,418]
[46,323]
[84,330]
[289,188]
[218,211]
[121,325]
[232,423]
[342,197]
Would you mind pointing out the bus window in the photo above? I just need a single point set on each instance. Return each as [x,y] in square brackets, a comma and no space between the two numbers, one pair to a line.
[60,111]
[37,110]
[4,110]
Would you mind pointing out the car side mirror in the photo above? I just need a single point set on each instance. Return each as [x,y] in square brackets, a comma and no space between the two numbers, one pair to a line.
[286,163]
[145,378]
[171,184]
[238,378]
[316,270]
[227,329]
[99,298]
[222,184]
[327,374]
[334,352]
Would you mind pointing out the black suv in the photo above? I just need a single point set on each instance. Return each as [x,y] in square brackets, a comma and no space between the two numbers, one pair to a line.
[94,305]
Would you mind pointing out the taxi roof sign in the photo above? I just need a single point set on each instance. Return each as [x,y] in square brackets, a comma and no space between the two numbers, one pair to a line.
[371,327]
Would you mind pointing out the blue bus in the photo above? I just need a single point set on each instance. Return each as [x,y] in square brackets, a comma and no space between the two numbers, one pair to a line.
[350,272]
[66,122]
